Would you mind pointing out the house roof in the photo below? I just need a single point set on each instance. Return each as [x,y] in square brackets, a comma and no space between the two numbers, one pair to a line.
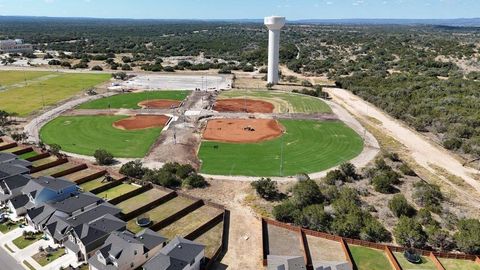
[76,202]
[286,262]
[330,265]
[164,262]
[7,170]
[175,255]
[19,201]
[6,157]
[16,181]
[40,214]
[46,182]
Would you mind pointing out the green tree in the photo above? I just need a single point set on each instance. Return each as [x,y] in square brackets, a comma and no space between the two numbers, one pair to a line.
[133,169]
[314,218]
[400,206]
[103,157]
[306,193]
[287,211]
[374,231]
[194,181]
[408,232]
[468,236]
[266,188]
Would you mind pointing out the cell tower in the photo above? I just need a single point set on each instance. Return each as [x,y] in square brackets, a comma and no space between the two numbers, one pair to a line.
[274,24]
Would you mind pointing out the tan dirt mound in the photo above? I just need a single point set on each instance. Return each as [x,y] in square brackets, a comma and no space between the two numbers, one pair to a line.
[242,130]
[142,122]
[243,105]
[160,104]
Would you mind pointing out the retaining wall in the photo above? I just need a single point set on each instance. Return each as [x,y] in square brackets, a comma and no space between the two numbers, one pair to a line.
[178,215]
[49,165]
[22,151]
[38,157]
[71,170]
[8,146]
[90,177]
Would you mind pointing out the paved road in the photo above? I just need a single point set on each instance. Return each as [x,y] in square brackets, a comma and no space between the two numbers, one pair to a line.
[8,262]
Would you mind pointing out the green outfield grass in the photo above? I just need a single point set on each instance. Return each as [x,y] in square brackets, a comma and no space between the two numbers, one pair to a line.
[12,77]
[131,100]
[308,146]
[85,134]
[369,259]
[284,102]
[27,99]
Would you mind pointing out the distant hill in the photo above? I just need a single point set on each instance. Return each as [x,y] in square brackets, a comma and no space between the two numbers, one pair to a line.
[460,22]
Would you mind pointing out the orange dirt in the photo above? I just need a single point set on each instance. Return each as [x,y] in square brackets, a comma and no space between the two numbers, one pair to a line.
[242,130]
[159,104]
[142,122]
[243,105]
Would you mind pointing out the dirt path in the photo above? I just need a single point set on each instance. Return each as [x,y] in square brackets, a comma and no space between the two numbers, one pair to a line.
[245,236]
[424,152]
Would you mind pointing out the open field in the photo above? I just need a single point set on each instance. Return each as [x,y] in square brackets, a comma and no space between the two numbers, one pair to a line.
[451,264]
[132,100]
[307,146]
[117,191]
[283,102]
[190,222]
[25,100]
[369,259]
[85,134]
[9,77]
[426,264]
[141,200]
[161,212]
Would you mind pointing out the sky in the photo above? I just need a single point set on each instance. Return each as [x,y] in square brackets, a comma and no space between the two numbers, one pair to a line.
[244,9]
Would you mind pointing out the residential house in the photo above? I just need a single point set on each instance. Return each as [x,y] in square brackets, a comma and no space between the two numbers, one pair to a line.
[328,265]
[125,250]
[276,262]
[12,186]
[178,254]
[85,239]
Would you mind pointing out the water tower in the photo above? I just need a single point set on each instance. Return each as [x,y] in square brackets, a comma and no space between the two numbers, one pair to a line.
[274,24]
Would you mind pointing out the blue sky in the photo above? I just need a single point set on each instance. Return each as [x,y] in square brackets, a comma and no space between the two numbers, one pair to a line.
[244,9]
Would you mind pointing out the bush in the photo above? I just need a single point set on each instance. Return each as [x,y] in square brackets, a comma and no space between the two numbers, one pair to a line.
[406,170]
[266,188]
[286,212]
[306,193]
[314,217]
[383,182]
[374,231]
[425,218]
[349,171]
[468,236]
[333,177]
[162,178]
[133,169]
[54,62]
[428,196]
[103,157]
[409,233]
[97,68]
[194,181]
[400,207]
[183,171]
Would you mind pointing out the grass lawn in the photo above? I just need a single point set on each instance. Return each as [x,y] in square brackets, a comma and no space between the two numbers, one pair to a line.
[161,212]
[7,78]
[131,100]
[141,200]
[452,264]
[117,191]
[426,264]
[43,260]
[190,222]
[8,226]
[284,102]
[25,100]
[308,146]
[93,184]
[44,161]
[85,134]
[369,259]
[22,243]
[13,149]
[28,155]
[54,170]
[212,239]
[80,174]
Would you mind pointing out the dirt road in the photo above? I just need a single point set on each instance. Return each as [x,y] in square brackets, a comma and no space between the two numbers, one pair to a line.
[425,152]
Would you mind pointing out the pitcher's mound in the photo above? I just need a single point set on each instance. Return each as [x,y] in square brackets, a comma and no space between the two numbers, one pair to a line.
[160,104]
[142,122]
[243,105]
[242,130]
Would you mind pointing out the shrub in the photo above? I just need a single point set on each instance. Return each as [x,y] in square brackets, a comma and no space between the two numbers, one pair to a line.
[103,157]
[133,169]
[374,231]
[428,196]
[384,181]
[406,170]
[306,193]
[400,207]
[314,218]
[97,68]
[333,177]
[194,181]
[183,171]
[408,232]
[424,217]
[266,188]
[349,171]
[286,212]
[468,236]
[162,178]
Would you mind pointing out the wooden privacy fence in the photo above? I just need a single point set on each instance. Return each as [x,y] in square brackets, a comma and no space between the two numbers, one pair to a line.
[49,165]
[378,246]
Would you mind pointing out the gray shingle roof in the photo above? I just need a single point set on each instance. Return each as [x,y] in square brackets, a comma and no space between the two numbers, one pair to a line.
[175,255]
[7,170]
[19,201]
[6,157]
[76,202]
[16,181]
[55,184]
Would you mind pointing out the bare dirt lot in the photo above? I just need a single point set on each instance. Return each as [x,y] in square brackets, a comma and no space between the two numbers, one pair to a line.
[243,105]
[160,104]
[142,122]
[242,130]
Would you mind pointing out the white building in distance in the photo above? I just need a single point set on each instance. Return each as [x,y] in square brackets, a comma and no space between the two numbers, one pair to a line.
[274,25]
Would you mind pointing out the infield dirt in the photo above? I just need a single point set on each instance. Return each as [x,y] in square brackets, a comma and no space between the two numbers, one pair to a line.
[160,104]
[242,130]
[243,105]
[142,122]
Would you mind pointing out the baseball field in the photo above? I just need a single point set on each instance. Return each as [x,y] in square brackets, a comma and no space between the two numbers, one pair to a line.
[283,102]
[24,92]
[306,146]
[133,100]
[85,134]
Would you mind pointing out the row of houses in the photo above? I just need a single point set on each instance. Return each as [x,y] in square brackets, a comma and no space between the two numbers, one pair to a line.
[88,226]
[15,46]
